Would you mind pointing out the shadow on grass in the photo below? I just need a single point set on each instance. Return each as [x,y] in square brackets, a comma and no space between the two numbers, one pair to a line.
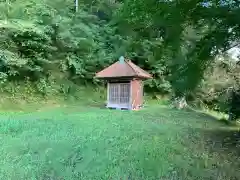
[223,137]
[223,140]
[208,116]
[96,105]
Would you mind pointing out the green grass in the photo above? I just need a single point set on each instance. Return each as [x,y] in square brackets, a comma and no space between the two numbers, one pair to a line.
[81,142]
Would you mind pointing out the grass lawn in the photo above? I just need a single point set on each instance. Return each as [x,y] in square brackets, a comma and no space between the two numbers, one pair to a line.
[68,143]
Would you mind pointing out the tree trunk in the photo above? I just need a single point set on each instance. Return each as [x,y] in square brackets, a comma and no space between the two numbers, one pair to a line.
[180,103]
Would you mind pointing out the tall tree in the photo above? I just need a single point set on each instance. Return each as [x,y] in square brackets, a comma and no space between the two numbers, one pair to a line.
[215,23]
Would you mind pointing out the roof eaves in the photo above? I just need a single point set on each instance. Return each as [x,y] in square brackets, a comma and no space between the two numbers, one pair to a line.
[134,70]
[139,74]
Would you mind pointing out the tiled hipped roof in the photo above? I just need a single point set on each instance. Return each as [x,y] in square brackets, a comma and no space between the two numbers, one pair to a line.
[125,69]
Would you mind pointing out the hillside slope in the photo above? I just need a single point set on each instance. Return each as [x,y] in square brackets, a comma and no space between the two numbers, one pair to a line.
[80,142]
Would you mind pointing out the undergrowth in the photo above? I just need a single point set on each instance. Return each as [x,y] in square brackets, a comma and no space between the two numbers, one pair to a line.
[28,95]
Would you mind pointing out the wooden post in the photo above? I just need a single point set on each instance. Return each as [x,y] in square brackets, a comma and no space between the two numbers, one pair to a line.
[108,94]
[76,5]
[130,96]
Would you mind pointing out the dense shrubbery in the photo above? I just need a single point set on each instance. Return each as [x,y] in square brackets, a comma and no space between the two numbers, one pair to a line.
[234,110]
[52,35]
[41,37]
[218,84]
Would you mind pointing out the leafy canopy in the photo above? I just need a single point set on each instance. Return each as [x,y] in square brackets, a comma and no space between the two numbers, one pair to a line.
[192,34]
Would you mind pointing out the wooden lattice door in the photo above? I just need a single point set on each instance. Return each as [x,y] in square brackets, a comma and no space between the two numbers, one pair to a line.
[113,93]
[124,89]
[119,95]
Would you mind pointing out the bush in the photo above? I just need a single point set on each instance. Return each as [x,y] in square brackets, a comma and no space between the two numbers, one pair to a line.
[234,110]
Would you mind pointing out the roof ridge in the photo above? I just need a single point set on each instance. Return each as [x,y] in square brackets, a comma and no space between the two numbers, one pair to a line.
[134,70]
[126,69]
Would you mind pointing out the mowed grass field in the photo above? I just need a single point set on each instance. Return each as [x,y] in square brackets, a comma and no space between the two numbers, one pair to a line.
[73,143]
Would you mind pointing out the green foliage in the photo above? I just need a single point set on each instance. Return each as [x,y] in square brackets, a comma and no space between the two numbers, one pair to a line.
[217,85]
[192,34]
[39,35]
[176,41]
[53,35]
